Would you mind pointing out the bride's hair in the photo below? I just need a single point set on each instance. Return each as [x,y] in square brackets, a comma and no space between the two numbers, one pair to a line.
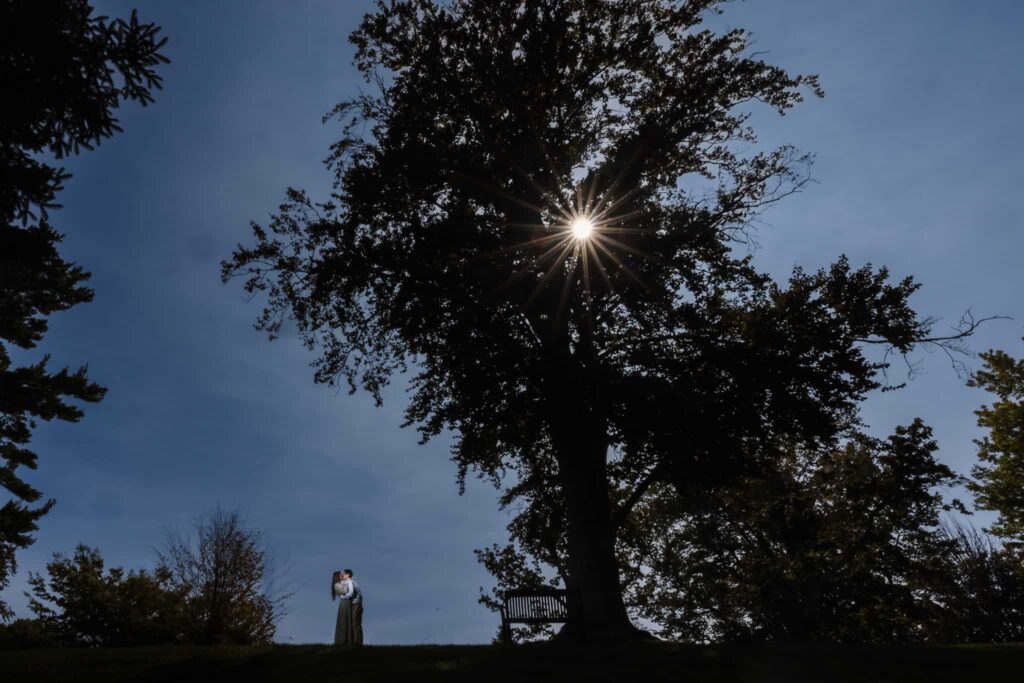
[335,578]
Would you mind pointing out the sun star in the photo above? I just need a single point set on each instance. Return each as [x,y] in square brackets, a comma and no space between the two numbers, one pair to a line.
[581,227]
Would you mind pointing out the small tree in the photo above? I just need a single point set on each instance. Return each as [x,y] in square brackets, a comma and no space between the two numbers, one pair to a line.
[224,578]
[79,604]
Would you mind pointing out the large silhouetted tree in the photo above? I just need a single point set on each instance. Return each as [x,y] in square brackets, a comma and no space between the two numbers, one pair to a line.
[62,73]
[537,211]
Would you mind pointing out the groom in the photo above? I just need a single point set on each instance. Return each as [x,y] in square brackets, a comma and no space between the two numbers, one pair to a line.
[355,594]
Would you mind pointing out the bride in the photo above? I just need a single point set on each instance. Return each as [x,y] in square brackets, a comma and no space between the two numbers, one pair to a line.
[344,629]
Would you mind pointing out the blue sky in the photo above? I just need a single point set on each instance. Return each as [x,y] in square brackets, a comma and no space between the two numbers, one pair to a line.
[918,167]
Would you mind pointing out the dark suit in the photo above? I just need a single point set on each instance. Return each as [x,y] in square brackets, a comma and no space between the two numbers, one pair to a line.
[357,613]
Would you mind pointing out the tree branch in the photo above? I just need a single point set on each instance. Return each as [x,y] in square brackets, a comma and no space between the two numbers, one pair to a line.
[641,488]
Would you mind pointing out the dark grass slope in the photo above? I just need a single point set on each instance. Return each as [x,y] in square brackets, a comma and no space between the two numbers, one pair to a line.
[425,664]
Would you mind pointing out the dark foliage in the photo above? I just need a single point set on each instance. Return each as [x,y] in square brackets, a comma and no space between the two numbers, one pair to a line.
[513,568]
[837,544]
[587,370]
[999,479]
[223,577]
[63,72]
[978,593]
[213,590]
[24,634]
[78,604]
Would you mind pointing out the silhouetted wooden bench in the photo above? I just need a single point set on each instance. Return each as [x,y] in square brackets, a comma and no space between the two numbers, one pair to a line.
[539,606]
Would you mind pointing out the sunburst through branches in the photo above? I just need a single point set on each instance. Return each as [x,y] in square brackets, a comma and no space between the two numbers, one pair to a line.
[578,240]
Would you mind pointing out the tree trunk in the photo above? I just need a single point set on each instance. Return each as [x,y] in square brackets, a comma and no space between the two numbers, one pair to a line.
[592,563]
[578,427]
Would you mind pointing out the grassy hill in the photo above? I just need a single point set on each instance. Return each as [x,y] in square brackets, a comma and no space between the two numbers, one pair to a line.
[542,662]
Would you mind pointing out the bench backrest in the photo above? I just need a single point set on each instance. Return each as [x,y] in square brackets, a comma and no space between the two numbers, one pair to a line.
[541,605]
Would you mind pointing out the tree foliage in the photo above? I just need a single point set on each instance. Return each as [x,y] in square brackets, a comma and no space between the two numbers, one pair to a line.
[650,352]
[63,72]
[24,634]
[835,544]
[210,590]
[978,595]
[999,479]
[78,604]
[224,577]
